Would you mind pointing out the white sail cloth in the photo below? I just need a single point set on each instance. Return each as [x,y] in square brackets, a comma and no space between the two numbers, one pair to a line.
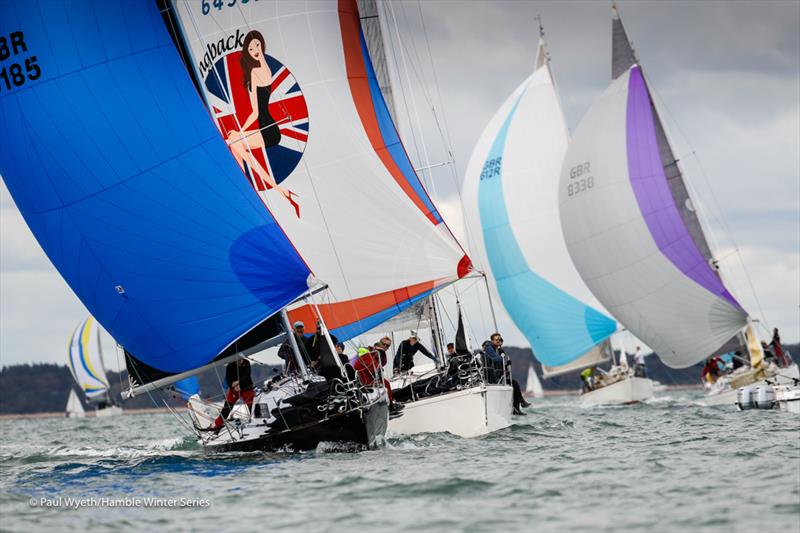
[510,196]
[357,212]
[626,237]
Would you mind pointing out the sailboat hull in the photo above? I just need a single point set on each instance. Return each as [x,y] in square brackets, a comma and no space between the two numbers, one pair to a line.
[788,398]
[626,391]
[467,413]
[725,394]
[363,427]
[113,410]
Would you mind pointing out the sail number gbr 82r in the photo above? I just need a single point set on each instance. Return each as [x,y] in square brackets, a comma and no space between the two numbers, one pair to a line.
[580,179]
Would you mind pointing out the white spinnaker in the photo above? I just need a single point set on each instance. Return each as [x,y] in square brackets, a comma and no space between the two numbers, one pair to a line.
[358,230]
[535,144]
[617,256]
[85,360]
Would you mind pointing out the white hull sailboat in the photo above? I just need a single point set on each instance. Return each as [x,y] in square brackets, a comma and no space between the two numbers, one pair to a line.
[623,189]
[112,410]
[533,387]
[510,195]
[628,390]
[724,390]
[468,413]
[788,398]
[88,368]
[74,408]
[465,407]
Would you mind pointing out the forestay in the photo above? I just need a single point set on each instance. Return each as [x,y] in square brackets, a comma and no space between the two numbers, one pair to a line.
[335,173]
[118,170]
[510,196]
[629,238]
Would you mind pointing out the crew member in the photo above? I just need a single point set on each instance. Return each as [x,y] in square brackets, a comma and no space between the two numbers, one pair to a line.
[404,358]
[240,385]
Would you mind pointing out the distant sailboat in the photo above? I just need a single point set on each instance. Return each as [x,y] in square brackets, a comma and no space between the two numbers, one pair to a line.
[74,407]
[633,231]
[533,386]
[88,370]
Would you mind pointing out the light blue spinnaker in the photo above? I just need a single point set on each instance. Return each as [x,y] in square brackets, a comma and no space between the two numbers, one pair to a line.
[559,327]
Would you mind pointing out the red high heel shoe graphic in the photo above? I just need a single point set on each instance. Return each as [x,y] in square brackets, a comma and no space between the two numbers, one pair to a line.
[288,195]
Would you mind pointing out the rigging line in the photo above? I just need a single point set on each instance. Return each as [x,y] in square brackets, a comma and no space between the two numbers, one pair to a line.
[403,87]
[414,102]
[446,133]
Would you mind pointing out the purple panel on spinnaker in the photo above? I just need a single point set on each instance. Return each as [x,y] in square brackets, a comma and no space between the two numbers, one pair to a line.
[653,195]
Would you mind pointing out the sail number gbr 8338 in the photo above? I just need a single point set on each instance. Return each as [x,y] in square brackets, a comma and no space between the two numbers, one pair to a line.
[580,179]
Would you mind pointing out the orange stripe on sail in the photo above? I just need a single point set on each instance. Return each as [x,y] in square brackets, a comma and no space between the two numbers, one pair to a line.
[362,98]
[345,313]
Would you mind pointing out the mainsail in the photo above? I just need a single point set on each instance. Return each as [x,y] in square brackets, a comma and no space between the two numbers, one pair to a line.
[124,180]
[336,175]
[631,228]
[86,360]
[510,196]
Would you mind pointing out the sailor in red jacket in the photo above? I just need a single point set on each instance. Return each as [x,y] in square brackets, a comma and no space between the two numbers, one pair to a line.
[368,367]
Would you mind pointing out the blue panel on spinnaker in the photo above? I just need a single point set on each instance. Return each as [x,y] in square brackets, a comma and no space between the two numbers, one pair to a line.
[127,185]
[559,327]
[187,387]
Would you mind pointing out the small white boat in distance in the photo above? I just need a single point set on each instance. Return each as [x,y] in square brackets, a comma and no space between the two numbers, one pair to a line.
[533,387]
[74,407]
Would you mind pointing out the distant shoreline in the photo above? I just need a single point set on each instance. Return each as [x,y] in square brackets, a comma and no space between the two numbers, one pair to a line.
[125,412]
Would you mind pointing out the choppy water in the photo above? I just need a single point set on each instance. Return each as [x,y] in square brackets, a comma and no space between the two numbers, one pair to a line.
[668,466]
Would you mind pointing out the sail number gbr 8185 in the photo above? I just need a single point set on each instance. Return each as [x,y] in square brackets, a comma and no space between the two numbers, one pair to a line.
[580,179]
[23,68]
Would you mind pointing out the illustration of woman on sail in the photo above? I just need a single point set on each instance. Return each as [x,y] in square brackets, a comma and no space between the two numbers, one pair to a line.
[258,82]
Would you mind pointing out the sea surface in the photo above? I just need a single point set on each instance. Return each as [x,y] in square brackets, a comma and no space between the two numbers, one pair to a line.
[670,465]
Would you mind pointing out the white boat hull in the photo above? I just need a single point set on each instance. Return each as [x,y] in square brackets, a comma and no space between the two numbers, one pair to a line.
[728,395]
[626,391]
[467,413]
[113,410]
[788,398]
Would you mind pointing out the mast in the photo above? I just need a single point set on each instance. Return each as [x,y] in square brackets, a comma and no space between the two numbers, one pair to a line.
[298,355]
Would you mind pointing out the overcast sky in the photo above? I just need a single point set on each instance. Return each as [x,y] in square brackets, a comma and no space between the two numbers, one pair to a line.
[727,78]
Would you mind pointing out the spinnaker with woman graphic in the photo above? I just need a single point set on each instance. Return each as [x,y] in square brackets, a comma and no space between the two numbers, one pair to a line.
[261,113]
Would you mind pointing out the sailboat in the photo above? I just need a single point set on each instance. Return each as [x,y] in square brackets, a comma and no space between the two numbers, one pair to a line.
[633,232]
[451,394]
[510,194]
[74,407]
[533,387]
[126,183]
[88,370]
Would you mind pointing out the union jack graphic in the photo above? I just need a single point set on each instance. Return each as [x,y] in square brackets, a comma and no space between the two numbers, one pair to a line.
[231,107]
